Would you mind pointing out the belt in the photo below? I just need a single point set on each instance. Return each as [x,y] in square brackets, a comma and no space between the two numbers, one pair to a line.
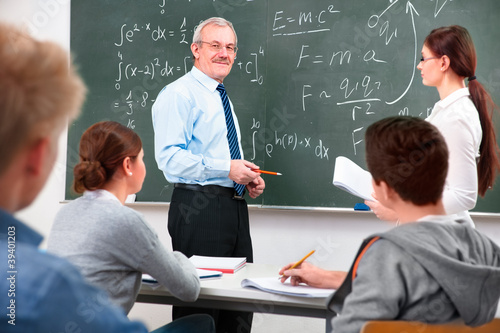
[212,189]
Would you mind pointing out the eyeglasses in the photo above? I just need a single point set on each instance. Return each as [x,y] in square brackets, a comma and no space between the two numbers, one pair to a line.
[230,49]
[425,59]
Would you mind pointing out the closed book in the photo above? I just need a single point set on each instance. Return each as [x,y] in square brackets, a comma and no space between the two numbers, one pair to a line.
[221,264]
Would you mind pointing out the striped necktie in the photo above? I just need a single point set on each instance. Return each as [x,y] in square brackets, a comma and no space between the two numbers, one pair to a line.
[232,136]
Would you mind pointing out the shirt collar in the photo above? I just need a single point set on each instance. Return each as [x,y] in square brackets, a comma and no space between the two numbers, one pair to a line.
[452,98]
[204,79]
[22,232]
[444,219]
[100,195]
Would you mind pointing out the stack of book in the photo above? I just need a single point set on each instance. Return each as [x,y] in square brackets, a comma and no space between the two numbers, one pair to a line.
[220,264]
[209,267]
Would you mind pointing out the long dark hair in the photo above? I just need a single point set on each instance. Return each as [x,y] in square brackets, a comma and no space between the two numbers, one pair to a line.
[103,147]
[456,42]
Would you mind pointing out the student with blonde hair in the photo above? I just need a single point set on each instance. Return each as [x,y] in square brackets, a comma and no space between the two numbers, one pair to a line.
[40,92]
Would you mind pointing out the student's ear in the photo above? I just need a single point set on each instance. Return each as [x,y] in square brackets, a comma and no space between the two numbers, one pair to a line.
[386,192]
[127,166]
[36,156]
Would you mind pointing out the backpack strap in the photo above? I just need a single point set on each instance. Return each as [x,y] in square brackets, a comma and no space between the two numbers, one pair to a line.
[360,255]
[336,301]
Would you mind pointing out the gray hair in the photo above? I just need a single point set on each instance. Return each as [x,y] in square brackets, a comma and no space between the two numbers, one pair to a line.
[219,21]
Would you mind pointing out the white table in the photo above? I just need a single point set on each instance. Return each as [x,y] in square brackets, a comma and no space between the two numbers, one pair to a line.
[227,293]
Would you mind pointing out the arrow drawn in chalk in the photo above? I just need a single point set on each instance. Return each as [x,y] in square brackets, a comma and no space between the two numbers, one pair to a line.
[410,8]
[436,10]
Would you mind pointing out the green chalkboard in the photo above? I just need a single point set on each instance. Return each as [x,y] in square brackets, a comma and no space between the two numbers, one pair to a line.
[308,79]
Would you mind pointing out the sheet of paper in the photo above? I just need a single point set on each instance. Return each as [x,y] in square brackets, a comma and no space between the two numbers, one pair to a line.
[351,178]
[274,285]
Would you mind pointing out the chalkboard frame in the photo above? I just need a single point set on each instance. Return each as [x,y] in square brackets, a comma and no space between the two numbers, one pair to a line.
[261,44]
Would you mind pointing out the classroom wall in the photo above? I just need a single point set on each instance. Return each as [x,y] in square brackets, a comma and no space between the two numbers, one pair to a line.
[279,236]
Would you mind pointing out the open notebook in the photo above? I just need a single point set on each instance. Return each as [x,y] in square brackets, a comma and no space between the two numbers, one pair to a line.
[274,285]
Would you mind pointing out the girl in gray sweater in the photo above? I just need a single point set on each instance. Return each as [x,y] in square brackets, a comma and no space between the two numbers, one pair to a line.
[112,244]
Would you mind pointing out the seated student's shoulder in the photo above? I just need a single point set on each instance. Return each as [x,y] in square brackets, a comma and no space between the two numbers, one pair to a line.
[48,294]
[133,217]
[129,220]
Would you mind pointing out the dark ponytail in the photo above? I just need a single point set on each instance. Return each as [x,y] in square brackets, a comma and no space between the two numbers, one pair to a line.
[488,164]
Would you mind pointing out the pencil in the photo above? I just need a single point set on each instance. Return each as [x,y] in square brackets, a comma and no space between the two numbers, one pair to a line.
[299,262]
[267,172]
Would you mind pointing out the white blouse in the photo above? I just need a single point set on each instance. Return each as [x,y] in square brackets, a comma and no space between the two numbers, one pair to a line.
[458,121]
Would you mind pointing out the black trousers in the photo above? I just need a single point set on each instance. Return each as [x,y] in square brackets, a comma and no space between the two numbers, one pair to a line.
[212,225]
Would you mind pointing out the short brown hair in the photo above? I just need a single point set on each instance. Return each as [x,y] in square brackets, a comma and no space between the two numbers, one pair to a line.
[39,90]
[410,155]
[103,147]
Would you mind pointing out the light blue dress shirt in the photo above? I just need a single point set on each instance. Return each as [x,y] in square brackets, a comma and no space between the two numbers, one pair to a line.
[190,132]
[43,293]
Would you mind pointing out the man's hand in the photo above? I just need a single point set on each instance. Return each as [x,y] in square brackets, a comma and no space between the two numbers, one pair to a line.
[241,172]
[256,187]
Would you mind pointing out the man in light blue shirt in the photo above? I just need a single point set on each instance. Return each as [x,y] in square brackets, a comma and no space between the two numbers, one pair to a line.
[193,147]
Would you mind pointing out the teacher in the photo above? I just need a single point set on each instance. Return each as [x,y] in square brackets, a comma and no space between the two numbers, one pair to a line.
[197,146]
[463,116]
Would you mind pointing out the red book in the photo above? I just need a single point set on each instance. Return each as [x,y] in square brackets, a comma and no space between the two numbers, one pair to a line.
[221,264]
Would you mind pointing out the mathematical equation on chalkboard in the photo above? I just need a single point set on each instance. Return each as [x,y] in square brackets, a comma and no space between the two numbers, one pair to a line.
[348,76]
[341,86]
[138,82]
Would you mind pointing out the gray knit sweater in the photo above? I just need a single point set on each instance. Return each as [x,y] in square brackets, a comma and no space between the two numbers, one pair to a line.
[112,245]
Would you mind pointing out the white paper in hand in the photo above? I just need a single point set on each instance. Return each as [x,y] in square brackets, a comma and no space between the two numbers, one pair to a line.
[351,178]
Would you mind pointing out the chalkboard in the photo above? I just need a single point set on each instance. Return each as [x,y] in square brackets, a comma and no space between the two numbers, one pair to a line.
[308,79]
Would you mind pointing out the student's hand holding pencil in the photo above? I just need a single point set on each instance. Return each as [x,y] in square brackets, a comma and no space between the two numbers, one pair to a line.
[313,276]
[304,273]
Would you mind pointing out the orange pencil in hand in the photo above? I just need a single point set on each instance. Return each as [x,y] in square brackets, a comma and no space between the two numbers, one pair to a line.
[267,172]
[298,263]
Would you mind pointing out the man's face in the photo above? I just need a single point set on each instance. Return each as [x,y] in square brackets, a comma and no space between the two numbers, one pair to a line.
[215,64]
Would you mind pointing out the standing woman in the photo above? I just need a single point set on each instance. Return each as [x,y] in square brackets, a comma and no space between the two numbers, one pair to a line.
[110,243]
[464,117]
